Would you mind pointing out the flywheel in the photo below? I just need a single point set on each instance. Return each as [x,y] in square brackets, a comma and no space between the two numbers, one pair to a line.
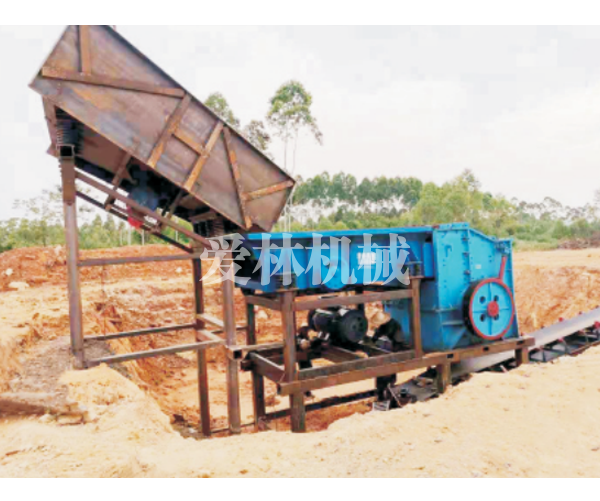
[489,309]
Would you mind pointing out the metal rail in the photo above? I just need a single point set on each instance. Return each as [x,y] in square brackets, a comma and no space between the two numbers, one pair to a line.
[142,332]
[547,336]
[161,352]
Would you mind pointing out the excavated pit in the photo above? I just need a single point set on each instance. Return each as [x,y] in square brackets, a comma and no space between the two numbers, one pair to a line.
[549,286]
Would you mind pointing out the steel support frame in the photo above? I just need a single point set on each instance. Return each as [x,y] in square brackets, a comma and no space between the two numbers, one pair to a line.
[230,328]
[288,304]
[68,174]
[203,389]
[290,381]
[294,383]
[205,340]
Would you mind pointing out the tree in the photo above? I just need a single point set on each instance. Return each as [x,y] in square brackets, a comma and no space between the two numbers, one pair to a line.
[217,102]
[456,201]
[290,113]
[43,221]
[256,133]
[44,212]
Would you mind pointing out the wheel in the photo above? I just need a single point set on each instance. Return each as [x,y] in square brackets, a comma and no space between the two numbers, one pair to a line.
[490,309]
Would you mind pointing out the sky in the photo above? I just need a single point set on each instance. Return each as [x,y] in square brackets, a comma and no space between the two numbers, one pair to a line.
[519,106]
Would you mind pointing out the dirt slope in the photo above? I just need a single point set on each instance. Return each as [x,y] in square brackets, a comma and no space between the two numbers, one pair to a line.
[554,285]
[537,421]
[522,424]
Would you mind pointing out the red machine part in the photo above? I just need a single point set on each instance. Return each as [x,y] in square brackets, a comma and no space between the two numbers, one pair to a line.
[134,220]
[490,307]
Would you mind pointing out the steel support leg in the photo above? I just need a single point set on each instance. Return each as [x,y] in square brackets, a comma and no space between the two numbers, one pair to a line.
[443,378]
[522,357]
[67,165]
[258,381]
[233,382]
[203,390]
[297,408]
[416,317]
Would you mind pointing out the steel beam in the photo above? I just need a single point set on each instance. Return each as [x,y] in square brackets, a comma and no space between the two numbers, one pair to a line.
[161,352]
[298,411]
[203,389]
[375,297]
[416,316]
[363,364]
[266,368]
[143,210]
[143,332]
[124,217]
[387,365]
[67,165]
[324,404]
[137,260]
[258,381]
[358,375]
[264,302]
[443,377]
[209,319]
[233,383]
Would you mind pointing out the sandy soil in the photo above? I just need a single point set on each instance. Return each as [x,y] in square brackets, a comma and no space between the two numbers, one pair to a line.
[111,424]
[536,421]
[554,285]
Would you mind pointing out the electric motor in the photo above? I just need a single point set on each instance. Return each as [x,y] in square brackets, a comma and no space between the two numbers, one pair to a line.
[344,327]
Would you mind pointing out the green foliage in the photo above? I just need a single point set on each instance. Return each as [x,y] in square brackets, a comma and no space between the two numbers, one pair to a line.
[380,194]
[341,202]
[291,112]
[256,133]
[217,102]
[42,226]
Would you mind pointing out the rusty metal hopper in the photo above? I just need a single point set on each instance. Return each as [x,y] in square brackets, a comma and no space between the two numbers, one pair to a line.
[136,123]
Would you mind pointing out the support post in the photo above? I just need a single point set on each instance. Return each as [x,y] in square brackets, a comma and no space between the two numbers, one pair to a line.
[67,165]
[444,377]
[258,381]
[363,306]
[203,390]
[297,408]
[233,383]
[416,316]
[522,356]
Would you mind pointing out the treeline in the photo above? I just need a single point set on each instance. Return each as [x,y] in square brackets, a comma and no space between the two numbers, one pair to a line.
[340,202]
[42,226]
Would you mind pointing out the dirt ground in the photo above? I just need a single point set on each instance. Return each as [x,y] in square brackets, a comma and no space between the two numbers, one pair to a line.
[135,422]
